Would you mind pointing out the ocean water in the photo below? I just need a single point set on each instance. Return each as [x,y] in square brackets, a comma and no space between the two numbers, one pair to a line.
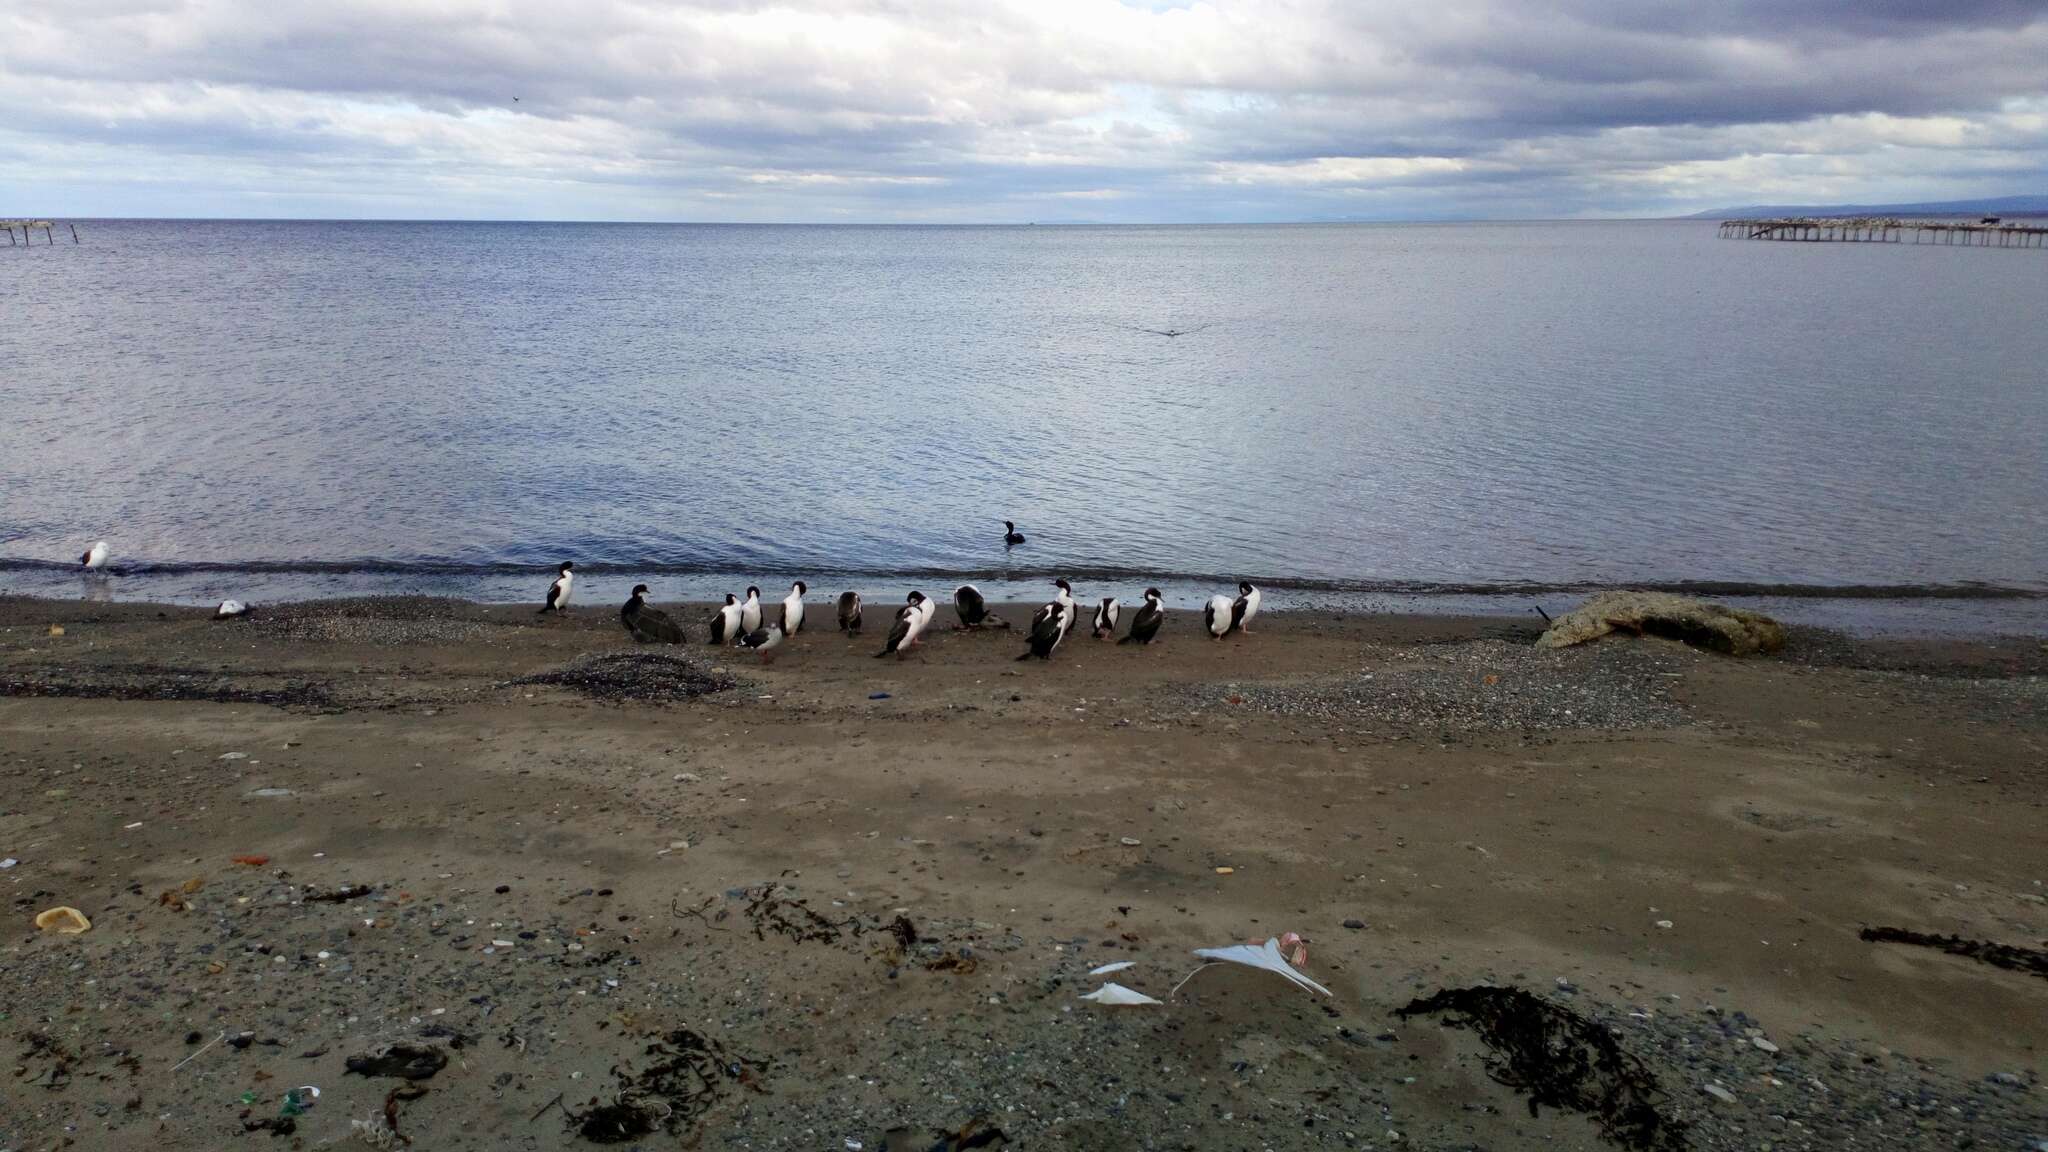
[1373,412]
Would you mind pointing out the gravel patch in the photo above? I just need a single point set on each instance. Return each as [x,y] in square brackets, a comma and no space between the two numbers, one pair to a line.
[638,676]
[1484,686]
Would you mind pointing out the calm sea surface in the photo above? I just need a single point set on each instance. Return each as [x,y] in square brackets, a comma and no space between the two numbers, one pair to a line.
[301,409]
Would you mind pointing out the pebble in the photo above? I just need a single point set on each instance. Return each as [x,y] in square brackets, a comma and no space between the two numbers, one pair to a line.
[1663,923]
[1355,925]
[1764,1044]
[1719,1093]
[1132,842]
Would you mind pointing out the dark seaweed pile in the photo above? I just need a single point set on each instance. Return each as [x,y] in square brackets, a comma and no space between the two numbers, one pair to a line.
[1561,1059]
[688,1073]
[2005,956]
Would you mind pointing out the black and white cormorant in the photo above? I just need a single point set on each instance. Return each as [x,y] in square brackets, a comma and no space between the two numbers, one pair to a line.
[1105,617]
[973,610]
[95,557]
[1145,625]
[793,608]
[558,592]
[725,623]
[1049,625]
[750,612]
[910,620]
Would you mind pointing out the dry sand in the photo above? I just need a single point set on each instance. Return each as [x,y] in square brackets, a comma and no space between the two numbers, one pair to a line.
[713,897]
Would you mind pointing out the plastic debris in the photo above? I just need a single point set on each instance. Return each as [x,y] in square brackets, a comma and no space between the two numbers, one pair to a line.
[252,861]
[1106,969]
[298,1101]
[1266,956]
[1225,871]
[878,695]
[1131,842]
[1115,993]
[8,863]
[233,756]
[64,921]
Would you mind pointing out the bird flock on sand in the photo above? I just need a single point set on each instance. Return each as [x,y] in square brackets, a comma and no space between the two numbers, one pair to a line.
[744,623]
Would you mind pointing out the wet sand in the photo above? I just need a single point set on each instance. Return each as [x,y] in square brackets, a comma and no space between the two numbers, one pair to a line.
[799,913]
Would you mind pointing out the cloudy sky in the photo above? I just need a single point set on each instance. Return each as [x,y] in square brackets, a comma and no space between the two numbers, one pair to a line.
[1012,110]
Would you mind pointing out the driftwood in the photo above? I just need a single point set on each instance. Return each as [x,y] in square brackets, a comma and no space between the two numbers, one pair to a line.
[1696,622]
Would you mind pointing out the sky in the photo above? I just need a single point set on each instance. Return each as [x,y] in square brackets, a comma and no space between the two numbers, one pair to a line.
[966,111]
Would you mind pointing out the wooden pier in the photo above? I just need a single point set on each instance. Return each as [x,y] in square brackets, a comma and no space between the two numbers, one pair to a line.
[46,227]
[1989,232]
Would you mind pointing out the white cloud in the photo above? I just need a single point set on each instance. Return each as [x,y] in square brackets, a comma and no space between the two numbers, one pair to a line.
[981,109]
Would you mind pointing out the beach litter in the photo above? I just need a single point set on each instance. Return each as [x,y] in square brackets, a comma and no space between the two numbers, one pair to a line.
[255,861]
[1732,631]
[1561,1059]
[976,1133]
[1266,956]
[63,921]
[399,1061]
[1115,993]
[8,863]
[1106,969]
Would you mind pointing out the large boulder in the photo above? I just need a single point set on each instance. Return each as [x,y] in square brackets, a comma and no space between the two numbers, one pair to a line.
[1696,622]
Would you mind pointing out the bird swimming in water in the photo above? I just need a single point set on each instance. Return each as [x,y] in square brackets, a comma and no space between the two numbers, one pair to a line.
[725,623]
[849,613]
[1011,537]
[793,608]
[1049,625]
[763,641]
[558,592]
[95,557]
[1105,617]
[750,612]
[648,624]
[973,610]
[1145,625]
[909,622]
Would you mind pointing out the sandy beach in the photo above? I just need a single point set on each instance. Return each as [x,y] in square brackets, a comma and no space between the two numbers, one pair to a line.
[598,892]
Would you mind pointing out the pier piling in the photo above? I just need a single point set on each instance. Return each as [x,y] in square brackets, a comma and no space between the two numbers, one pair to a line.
[1988,233]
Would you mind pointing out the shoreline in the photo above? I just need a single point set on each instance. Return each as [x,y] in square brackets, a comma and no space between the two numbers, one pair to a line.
[546,852]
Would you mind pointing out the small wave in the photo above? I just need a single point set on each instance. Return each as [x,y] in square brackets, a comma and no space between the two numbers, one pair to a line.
[1092,574]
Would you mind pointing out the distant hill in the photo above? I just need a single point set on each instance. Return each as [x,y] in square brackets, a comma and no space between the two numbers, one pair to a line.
[1994,206]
